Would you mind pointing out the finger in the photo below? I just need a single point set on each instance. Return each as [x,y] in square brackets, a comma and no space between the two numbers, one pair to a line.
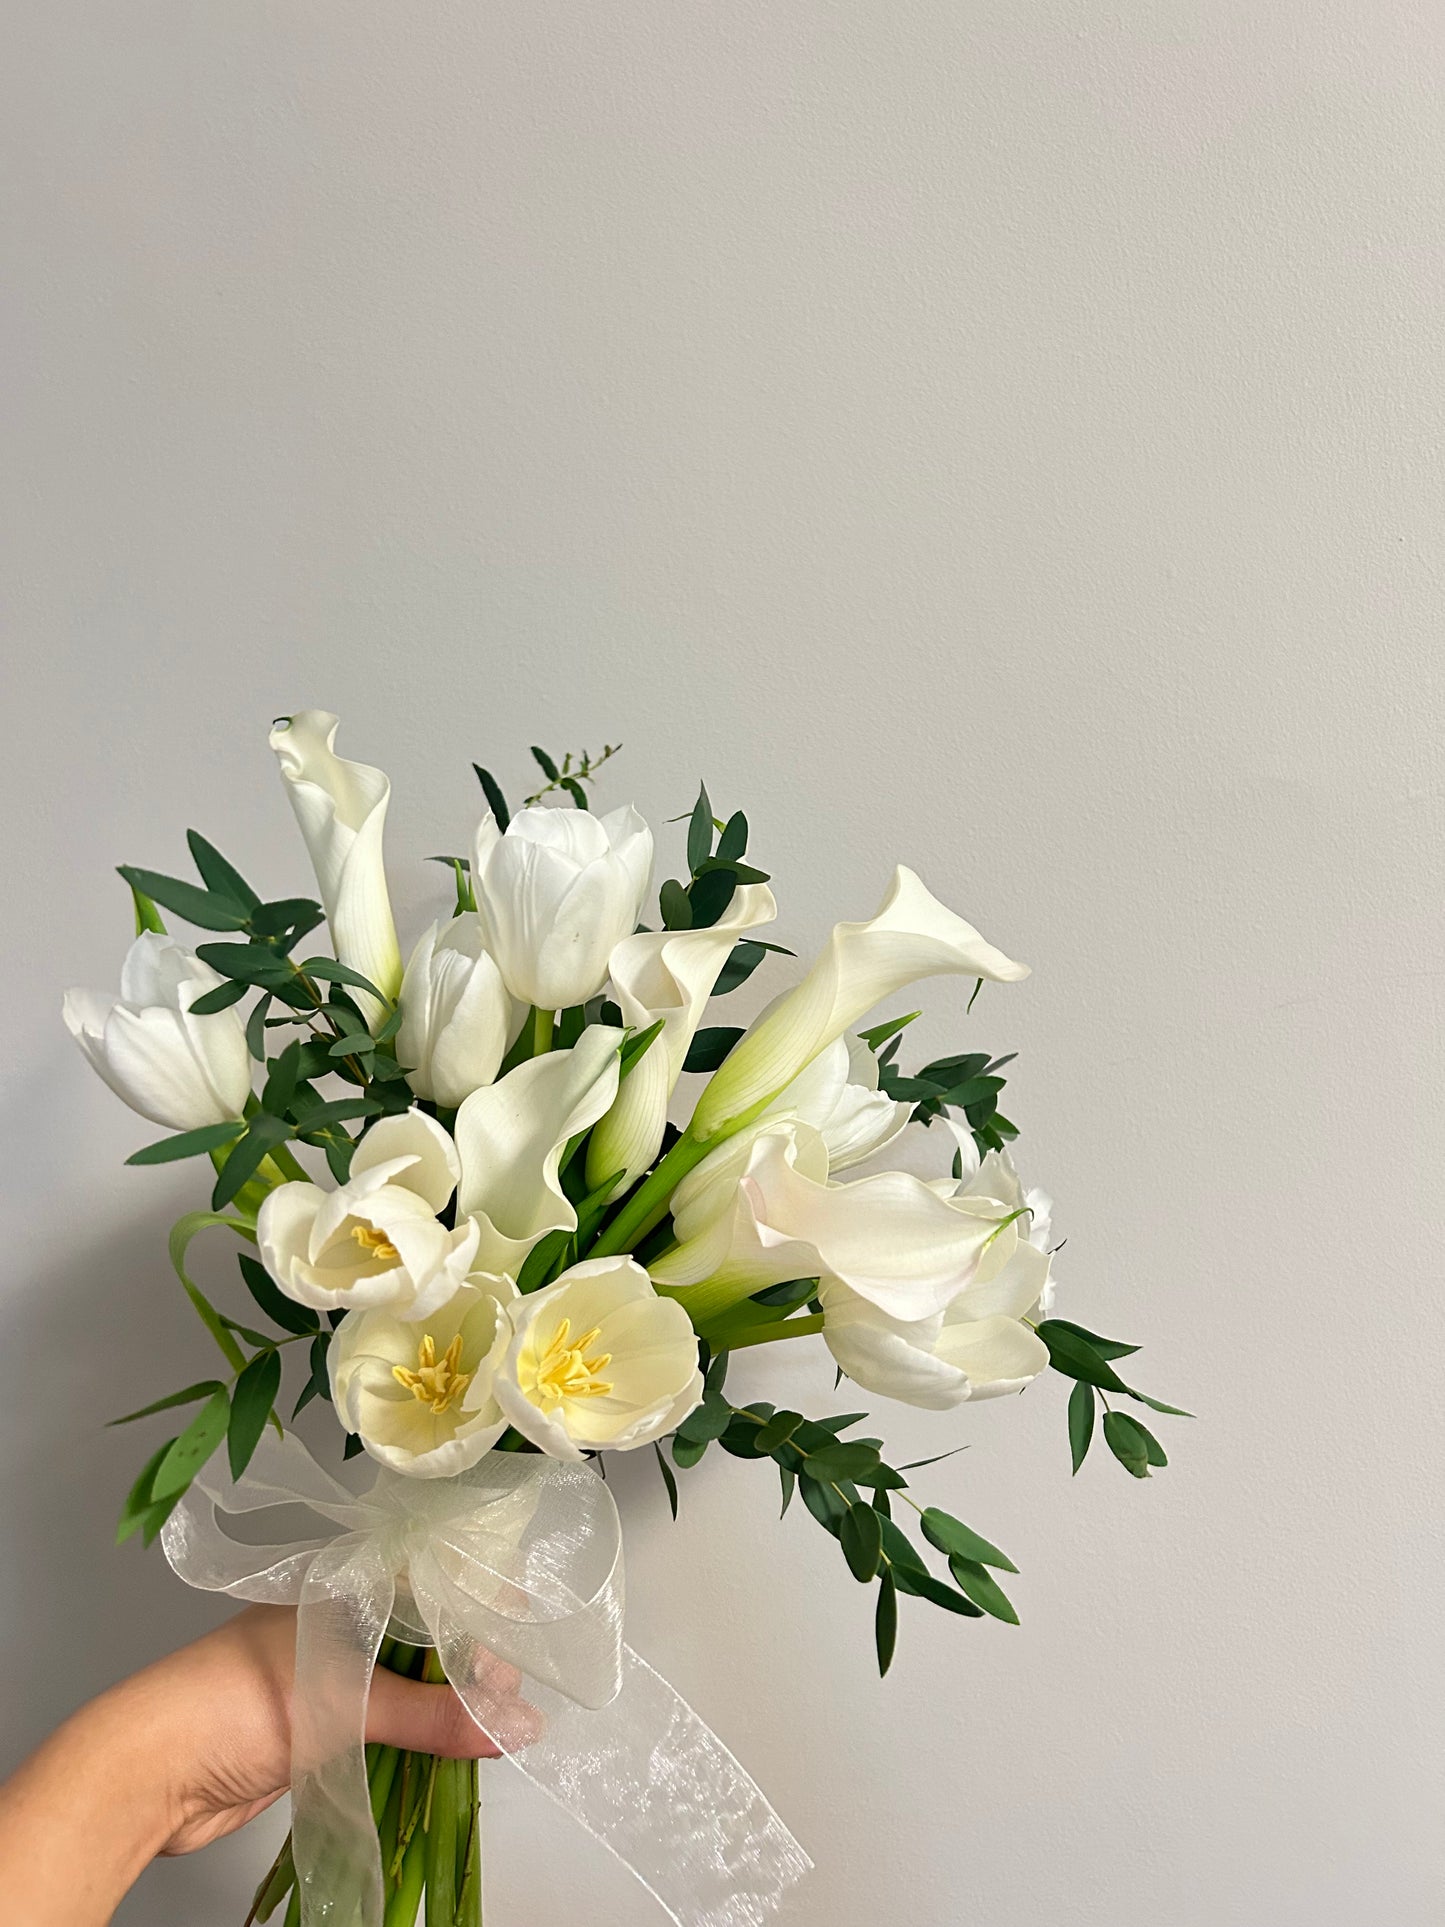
[424,1719]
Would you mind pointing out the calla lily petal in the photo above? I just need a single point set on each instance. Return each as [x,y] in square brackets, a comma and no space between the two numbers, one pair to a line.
[912,936]
[341,808]
[511,1135]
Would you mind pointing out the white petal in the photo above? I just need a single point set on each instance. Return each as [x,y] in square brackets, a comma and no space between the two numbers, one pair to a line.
[433,1166]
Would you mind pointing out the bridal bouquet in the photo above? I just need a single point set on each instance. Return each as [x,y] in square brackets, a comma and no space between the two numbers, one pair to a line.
[466,1216]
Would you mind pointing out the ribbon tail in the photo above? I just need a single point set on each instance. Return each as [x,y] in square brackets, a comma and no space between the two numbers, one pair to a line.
[345,1605]
[642,1773]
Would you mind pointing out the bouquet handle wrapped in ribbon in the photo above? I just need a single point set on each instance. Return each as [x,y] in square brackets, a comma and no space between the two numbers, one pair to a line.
[520,1558]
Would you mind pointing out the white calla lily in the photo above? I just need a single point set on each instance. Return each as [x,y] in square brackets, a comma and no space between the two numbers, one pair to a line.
[341,808]
[510,1138]
[455,1014]
[912,936]
[838,1095]
[375,1240]
[556,892]
[598,1361]
[892,1238]
[177,1069]
[419,1391]
[664,976]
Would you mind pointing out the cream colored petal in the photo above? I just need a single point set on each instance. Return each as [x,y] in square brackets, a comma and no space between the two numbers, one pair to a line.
[434,1168]
[510,1137]
[996,1355]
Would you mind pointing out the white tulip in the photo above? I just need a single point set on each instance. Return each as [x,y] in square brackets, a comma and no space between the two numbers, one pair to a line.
[178,1070]
[664,976]
[978,1347]
[455,1014]
[419,1391]
[555,895]
[598,1361]
[510,1138]
[341,807]
[376,1240]
[912,936]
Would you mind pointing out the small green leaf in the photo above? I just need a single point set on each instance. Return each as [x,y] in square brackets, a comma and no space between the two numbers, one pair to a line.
[247,963]
[139,1507]
[711,1046]
[1158,1405]
[1081,1421]
[187,1144]
[251,1404]
[951,1536]
[789,1480]
[281,1080]
[207,909]
[686,1452]
[327,970]
[699,832]
[219,875]
[885,1623]
[849,1461]
[281,1310]
[675,905]
[194,1446]
[337,1110]
[861,1537]
[1109,1348]
[256,1030]
[778,1430]
[734,839]
[191,1393]
[1126,1439]
[706,1421]
[545,763]
[709,896]
[637,1047]
[262,1135]
[879,1035]
[221,998]
[983,1589]
[1077,1358]
[147,917]
[286,914]
[492,790]
[667,1477]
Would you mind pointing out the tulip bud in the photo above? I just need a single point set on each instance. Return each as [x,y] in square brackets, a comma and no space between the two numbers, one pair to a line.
[454,1015]
[178,1070]
[555,893]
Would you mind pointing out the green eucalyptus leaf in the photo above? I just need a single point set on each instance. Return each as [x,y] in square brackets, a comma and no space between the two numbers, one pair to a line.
[247,963]
[885,1623]
[951,1536]
[1081,1421]
[207,909]
[983,1589]
[1129,1443]
[219,875]
[686,1452]
[711,1046]
[699,832]
[263,1134]
[675,905]
[861,1537]
[492,790]
[327,970]
[210,1002]
[1077,1358]
[667,1477]
[187,1144]
[734,839]
[709,896]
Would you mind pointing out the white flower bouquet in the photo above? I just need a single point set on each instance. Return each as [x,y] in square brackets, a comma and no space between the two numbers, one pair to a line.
[505,1259]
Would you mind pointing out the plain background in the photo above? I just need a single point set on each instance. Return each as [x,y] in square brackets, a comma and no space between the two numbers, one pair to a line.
[1002,436]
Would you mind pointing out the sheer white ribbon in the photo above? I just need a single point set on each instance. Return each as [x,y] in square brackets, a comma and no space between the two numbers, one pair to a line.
[520,1557]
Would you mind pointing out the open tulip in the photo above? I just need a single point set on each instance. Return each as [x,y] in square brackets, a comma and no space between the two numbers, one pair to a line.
[555,894]
[419,1391]
[510,1138]
[178,1070]
[597,1361]
[912,936]
[341,807]
[664,976]
[376,1240]
[455,1014]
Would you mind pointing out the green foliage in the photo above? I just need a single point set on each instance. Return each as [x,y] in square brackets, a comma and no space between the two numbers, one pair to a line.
[1087,1358]
[570,774]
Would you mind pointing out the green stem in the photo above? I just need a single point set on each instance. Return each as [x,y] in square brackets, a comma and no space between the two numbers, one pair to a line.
[647,1206]
[543,1026]
[401,1906]
[769,1334]
[441,1845]
[469,1884]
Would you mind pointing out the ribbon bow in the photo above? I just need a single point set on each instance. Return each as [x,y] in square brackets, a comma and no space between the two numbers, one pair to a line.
[520,1557]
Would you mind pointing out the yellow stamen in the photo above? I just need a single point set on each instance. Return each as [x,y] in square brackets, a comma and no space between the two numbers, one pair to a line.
[437,1385]
[563,1371]
[376,1242]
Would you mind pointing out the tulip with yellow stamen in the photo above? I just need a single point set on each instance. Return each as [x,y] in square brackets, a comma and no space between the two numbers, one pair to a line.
[420,1392]
[598,1362]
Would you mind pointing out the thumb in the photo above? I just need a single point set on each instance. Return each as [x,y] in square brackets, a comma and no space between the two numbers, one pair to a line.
[431,1719]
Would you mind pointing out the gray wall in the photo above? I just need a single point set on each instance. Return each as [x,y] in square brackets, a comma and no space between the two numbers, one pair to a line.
[1000,436]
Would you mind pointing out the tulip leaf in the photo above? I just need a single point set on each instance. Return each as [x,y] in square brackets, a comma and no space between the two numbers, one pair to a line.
[187,1144]
[251,1404]
[699,832]
[711,1047]
[983,1589]
[861,1537]
[492,790]
[1129,1443]
[219,875]
[187,1396]
[207,909]
[951,1536]
[281,1310]
[667,1478]
[194,1446]
[182,1231]
[147,917]
[734,839]
[879,1035]
[221,998]
[885,1623]
[1081,1421]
